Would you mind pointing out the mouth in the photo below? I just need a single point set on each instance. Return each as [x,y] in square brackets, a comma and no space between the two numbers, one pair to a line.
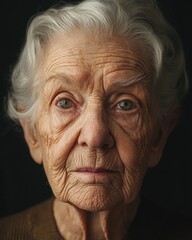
[95,175]
[95,170]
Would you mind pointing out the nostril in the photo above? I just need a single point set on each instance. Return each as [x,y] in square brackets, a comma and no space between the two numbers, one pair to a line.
[84,144]
[97,142]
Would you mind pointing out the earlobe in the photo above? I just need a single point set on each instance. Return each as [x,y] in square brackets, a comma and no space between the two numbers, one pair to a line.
[32,140]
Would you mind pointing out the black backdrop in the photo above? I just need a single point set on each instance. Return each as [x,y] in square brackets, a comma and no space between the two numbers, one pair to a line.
[23,182]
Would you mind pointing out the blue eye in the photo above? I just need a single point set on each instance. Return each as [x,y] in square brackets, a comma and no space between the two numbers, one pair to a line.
[125,105]
[65,103]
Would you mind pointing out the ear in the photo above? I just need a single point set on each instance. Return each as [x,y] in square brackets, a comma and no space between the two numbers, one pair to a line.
[32,140]
[160,138]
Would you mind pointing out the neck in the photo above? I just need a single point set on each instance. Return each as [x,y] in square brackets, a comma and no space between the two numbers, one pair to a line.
[76,224]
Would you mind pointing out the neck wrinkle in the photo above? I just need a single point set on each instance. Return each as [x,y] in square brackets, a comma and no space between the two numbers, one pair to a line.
[77,224]
[118,220]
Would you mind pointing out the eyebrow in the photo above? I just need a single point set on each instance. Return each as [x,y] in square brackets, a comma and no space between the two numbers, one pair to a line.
[121,82]
[127,82]
[61,77]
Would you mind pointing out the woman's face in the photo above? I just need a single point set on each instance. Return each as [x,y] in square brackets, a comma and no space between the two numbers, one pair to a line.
[95,118]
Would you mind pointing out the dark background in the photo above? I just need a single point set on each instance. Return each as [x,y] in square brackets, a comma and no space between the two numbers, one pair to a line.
[23,182]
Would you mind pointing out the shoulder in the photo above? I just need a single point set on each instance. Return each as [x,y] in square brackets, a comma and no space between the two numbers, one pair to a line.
[156,222]
[29,224]
[16,226]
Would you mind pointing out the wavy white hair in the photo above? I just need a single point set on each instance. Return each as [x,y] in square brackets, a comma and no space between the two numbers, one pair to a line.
[137,19]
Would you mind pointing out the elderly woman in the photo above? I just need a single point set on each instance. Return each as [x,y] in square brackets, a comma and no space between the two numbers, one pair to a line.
[97,90]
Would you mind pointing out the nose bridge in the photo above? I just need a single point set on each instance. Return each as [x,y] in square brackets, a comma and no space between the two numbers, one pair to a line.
[95,132]
[98,120]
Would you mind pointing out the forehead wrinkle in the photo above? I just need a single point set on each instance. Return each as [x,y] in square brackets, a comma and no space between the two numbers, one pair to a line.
[75,80]
[62,78]
[60,62]
[78,55]
[122,63]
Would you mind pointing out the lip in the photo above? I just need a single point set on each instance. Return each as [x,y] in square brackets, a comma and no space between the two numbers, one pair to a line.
[94,170]
[95,175]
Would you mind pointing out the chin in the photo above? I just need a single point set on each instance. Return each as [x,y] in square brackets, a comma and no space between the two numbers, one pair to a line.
[95,198]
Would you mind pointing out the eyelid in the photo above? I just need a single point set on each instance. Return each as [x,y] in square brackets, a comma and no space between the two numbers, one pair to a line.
[65,95]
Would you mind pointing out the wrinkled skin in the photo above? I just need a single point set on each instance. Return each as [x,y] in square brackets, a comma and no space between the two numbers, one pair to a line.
[96,130]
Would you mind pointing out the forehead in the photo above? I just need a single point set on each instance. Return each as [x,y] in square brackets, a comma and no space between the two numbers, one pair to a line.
[79,55]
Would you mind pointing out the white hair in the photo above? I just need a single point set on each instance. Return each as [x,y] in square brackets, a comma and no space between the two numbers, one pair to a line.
[137,19]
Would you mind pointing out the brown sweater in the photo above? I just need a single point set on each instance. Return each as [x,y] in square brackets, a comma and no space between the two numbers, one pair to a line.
[36,223]
[151,223]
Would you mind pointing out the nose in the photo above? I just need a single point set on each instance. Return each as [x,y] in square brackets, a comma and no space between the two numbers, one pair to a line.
[95,132]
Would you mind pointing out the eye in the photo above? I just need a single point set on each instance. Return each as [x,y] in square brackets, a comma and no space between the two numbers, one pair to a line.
[65,103]
[125,105]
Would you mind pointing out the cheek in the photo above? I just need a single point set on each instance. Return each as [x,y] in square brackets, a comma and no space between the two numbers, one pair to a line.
[56,144]
[57,137]
[133,146]
[133,153]
[133,137]
[132,182]
[134,158]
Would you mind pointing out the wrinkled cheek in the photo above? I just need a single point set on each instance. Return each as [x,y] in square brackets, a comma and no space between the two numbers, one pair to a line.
[54,153]
[135,167]
[55,168]
[132,141]
[133,179]
[134,155]
[57,177]
[134,148]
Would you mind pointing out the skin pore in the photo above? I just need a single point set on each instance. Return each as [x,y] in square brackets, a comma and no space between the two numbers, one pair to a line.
[94,132]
